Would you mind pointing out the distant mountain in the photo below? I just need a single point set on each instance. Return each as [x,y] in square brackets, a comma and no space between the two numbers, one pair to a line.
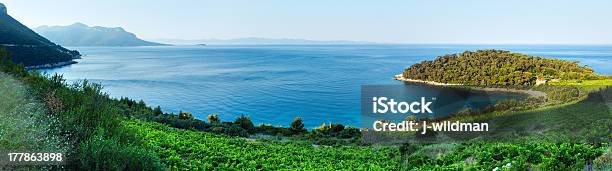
[79,34]
[254,41]
[29,48]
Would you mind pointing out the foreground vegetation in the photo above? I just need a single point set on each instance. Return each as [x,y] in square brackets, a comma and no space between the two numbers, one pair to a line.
[86,120]
[24,125]
[582,118]
[183,149]
[101,133]
[190,150]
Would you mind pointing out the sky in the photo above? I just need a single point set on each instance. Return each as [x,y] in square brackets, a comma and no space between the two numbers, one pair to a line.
[383,21]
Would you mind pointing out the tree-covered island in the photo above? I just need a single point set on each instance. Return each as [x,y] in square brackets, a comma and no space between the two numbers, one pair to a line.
[497,67]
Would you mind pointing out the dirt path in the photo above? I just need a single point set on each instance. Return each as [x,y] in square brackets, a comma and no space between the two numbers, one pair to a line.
[23,120]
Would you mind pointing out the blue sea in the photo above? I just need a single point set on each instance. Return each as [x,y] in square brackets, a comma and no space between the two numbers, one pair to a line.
[275,83]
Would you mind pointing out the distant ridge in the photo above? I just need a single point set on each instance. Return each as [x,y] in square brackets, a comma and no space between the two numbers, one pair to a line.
[79,34]
[255,41]
[27,47]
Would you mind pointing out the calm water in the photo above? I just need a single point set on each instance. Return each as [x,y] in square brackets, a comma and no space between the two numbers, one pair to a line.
[274,83]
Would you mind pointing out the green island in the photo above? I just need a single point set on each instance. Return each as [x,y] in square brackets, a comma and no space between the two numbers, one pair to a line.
[498,68]
[97,132]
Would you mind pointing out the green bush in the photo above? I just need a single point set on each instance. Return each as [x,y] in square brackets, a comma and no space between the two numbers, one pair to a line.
[100,153]
[335,131]
[245,123]
[273,130]
[297,126]
[157,111]
[235,130]
[213,118]
[185,115]
[604,162]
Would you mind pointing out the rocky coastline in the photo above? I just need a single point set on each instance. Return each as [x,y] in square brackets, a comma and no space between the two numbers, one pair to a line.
[531,93]
[52,65]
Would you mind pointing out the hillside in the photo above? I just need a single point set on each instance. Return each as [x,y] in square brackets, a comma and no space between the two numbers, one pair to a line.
[22,113]
[79,34]
[27,47]
[496,67]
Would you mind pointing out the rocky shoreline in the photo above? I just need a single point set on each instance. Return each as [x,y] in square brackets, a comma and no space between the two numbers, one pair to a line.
[400,77]
[531,93]
[52,65]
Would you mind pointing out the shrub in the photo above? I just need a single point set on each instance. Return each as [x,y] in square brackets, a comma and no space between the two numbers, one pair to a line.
[157,111]
[329,129]
[407,148]
[349,132]
[336,127]
[507,104]
[185,115]
[218,129]
[213,118]
[297,126]
[604,162]
[417,160]
[273,130]
[53,103]
[335,130]
[245,123]
[236,130]
[99,153]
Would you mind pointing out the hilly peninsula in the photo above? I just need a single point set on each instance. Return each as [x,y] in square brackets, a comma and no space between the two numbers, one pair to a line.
[26,47]
[79,34]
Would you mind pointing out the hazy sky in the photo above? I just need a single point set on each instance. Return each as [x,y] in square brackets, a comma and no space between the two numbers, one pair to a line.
[401,21]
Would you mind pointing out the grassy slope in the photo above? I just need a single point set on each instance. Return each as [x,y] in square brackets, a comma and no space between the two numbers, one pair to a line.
[585,121]
[23,121]
[562,122]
